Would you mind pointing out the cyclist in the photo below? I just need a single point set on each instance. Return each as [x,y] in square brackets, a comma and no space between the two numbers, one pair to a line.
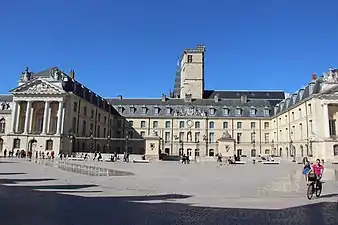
[318,170]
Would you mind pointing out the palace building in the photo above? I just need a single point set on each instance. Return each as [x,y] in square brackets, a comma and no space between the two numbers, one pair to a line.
[51,111]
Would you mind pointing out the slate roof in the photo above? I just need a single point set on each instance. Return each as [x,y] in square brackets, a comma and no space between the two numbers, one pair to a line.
[263,108]
[276,95]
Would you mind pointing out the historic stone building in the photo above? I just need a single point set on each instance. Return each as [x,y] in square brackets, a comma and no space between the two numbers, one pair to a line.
[50,110]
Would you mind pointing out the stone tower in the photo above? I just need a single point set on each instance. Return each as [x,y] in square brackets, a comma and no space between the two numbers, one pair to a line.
[192,72]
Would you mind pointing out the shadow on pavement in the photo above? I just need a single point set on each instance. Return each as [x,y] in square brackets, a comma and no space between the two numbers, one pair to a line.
[3,174]
[49,208]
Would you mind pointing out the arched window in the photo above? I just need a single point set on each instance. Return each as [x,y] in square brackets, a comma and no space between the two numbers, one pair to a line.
[2,125]
[49,145]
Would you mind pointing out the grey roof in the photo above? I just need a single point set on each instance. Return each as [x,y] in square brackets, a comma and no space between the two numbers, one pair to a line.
[301,95]
[45,73]
[277,95]
[263,108]
[6,97]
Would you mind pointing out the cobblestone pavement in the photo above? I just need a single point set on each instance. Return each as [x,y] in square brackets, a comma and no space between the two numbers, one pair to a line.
[188,194]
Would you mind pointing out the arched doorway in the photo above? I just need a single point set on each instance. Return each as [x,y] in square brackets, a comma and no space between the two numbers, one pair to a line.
[1,144]
[301,151]
[32,145]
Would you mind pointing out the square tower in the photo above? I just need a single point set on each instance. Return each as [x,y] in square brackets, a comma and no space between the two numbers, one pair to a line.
[192,72]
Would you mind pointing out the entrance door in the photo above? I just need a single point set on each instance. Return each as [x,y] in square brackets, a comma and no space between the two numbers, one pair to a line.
[32,145]
[239,152]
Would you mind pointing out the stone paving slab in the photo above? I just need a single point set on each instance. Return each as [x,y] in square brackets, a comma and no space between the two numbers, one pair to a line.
[189,194]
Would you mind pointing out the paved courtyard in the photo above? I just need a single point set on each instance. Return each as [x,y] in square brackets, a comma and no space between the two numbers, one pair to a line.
[163,193]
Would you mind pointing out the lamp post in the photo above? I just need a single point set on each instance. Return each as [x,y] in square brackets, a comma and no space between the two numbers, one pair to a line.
[91,144]
[181,144]
[292,150]
[108,144]
[71,138]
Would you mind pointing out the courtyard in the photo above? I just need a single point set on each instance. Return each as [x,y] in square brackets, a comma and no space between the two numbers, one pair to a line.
[39,192]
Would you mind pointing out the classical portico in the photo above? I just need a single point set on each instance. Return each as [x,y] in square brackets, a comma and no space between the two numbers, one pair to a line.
[38,114]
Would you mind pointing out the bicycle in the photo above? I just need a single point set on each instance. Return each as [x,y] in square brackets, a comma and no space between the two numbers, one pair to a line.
[315,187]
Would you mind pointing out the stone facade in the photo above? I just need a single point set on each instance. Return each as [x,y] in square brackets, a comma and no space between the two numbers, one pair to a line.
[50,110]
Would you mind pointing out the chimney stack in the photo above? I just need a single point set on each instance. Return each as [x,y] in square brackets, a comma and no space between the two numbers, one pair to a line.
[314,76]
[164,98]
[72,74]
[216,98]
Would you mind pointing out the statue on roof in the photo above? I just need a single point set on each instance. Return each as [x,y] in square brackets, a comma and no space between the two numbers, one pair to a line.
[26,75]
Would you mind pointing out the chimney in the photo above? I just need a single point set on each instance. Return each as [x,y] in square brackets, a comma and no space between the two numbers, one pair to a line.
[164,98]
[216,98]
[72,74]
[244,99]
[187,98]
[119,97]
[314,76]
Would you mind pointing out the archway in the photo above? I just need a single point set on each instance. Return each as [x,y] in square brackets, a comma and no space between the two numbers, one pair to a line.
[32,145]
[1,144]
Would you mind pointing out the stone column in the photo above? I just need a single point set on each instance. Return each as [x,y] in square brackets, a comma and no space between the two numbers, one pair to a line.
[45,117]
[31,120]
[60,118]
[14,112]
[17,117]
[326,121]
[49,119]
[28,116]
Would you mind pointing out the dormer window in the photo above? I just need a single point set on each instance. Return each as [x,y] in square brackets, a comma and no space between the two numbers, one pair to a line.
[144,109]
[120,109]
[253,111]
[238,111]
[3,106]
[157,110]
[132,109]
[168,110]
[266,112]
[212,111]
[226,111]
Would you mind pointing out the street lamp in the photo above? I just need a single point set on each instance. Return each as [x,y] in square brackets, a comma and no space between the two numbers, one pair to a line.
[108,144]
[180,141]
[91,141]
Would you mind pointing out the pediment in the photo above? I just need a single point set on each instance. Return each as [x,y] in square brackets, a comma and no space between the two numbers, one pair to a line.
[38,86]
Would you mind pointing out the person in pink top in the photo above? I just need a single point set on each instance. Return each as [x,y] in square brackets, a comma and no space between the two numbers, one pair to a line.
[318,169]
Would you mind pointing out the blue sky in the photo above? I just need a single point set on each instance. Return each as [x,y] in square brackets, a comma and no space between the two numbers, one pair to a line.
[131,47]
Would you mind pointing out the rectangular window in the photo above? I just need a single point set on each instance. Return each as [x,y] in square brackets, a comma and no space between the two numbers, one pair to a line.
[239,125]
[211,137]
[189,58]
[309,111]
[92,114]
[75,106]
[225,125]
[143,124]
[310,127]
[167,137]
[300,113]
[253,137]
[74,125]
[85,111]
[239,137]
[130,134]
[197,125]
[155,124]
[266,137]
[332,125]
[211,125]
[266,125]
[167,124]
[253,125]
[197,136]
[181,124]
[181,136]
[143,134]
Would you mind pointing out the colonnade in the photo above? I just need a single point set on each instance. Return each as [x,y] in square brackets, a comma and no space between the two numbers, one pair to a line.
[16,111]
